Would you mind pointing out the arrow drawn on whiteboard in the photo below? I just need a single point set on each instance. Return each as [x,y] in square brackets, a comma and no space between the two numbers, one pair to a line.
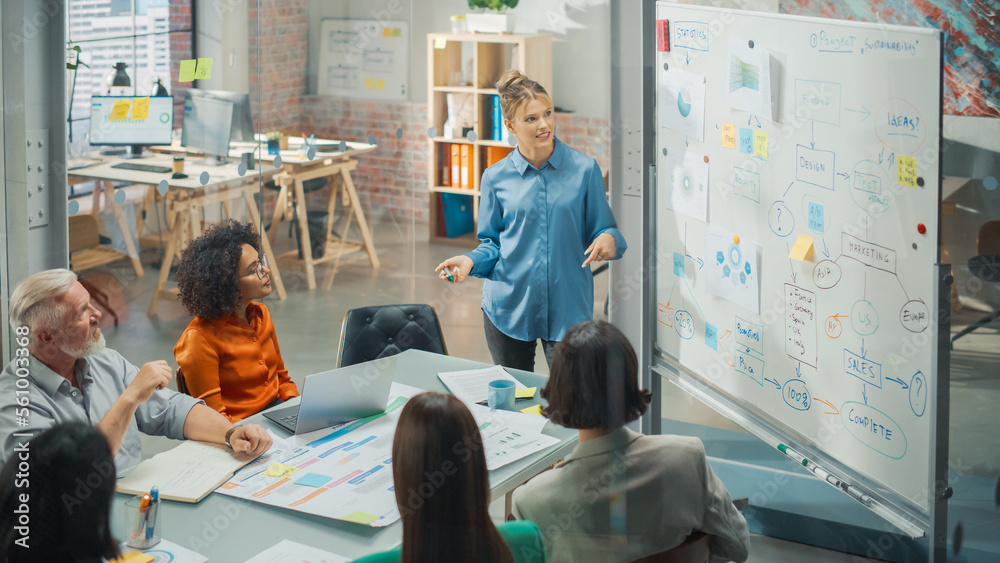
[881,156]
[790,266]
[899,381]
[698,261]
[687,56]
[826,251]
[863,110]
[864,392]
[798,371]
[829,404]
[863,351]
[846,176]
[776,385]
[812,143]
[686,141]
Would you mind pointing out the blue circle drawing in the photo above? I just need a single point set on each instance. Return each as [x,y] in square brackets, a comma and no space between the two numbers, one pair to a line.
[918,393]
[780,219]
[864,318]
[684,102]
[735,255]
[990,183]
[684,325]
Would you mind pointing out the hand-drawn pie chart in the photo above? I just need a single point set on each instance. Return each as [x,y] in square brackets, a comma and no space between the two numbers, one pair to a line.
[684,102]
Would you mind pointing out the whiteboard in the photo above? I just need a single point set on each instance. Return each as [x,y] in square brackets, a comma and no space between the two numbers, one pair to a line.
[772,127]
[364,59]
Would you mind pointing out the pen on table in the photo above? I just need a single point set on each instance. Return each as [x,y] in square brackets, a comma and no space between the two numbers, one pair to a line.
[154,506]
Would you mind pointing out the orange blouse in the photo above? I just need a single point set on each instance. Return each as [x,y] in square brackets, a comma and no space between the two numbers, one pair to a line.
[233,365]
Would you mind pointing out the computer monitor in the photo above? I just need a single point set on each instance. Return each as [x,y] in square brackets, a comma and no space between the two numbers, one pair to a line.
[208,123]
[154,129]
[242,117]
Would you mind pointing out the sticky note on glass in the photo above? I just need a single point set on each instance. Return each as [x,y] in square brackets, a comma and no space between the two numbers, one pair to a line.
[140,108]
[360,517]
[440,42]
[678,264]
[380,84]
[906,171]
[280,470]
[369,83]
[120,110]
[746,140]
[711,336]
[803,249]
[397,32]
[760,144]
[728,136]
[537,409]
[186,73]
[525,393]
[204,69]
[386,32]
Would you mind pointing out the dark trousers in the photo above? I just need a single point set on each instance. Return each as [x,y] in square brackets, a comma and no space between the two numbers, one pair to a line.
[513,353]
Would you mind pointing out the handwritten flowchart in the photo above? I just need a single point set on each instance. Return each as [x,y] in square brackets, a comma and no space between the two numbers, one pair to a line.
[801,280]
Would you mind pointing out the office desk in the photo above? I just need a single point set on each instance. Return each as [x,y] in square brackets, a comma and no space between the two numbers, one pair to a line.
[186,198]
[227,529]
[297,168]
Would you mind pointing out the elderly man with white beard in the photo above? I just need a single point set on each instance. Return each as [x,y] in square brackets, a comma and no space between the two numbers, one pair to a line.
[61,372]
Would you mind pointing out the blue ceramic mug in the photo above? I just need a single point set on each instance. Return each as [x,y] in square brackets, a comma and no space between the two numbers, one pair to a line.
[501,395]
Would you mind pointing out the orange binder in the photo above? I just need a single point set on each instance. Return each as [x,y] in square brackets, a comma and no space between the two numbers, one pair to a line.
[465,174]
[455,164]
[495,155]
[444,165]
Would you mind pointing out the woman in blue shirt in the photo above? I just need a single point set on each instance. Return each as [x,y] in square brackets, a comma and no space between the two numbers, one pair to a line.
[543,218]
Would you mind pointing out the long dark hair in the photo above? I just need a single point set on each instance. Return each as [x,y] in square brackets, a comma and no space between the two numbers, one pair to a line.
[68,475]
[442,487]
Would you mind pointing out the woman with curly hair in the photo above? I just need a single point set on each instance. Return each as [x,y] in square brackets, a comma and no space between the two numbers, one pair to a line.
[229,354]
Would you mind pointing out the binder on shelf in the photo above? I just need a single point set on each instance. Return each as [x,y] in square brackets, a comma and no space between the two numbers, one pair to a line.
[457,213]
[440,215]
[465,173]
[444,164]
[497,119]
[456,179]
[495,155]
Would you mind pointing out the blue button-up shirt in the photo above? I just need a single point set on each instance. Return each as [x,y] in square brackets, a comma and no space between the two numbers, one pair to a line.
[534,226]
[102,378]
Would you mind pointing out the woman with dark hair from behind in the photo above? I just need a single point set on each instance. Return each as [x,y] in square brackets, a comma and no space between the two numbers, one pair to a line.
[443,491]
[229,354]
[69,484]
[643,494]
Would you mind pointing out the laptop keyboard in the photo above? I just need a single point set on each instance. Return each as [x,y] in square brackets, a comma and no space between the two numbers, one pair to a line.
[291,419]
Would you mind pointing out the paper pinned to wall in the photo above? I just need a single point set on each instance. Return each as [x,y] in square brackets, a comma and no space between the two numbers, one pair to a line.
[749,87]
[685,184]
[732,269]
[682,102]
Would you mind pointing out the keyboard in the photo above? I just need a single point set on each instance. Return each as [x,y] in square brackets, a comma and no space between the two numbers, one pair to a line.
[142,167]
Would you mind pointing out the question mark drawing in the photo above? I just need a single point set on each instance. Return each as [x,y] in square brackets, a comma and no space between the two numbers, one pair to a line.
[920,384]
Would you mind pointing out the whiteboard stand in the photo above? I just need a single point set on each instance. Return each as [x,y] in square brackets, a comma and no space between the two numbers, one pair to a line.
[937,536]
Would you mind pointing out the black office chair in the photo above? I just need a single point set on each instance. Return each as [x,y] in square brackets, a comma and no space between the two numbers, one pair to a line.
[380,331]
[985,266]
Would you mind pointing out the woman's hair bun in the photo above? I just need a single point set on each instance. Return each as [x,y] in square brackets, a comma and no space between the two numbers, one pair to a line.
[510,78]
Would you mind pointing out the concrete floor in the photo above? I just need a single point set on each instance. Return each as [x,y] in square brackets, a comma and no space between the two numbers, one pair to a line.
[309,322]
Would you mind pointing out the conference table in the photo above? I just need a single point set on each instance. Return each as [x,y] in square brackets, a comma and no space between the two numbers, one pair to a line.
[229,529]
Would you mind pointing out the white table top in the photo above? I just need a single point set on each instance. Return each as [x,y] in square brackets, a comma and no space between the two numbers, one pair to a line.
[295,154]
[218,176]
[232,530]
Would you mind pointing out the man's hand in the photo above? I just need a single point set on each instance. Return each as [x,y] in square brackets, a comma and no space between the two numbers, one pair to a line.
[250,439]
[152,377]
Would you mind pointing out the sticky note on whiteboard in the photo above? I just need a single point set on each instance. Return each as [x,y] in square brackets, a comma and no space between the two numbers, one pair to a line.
[728,136]
[906,171]
[711,336]
[760,144]
[120,110]
[803,249]
[746,140]
[380,84]
[369,83]
[386,32]
[678,264]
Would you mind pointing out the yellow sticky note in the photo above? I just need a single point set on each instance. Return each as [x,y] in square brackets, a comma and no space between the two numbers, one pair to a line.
[204,69]
[728,135]
[397,32]
[140,108]
[803,249]
[369,83]
[133,557]
[760,143]
[906,171]
[386,32]
[280,470]
[380,84]
[440,42]
[360,517]
[186,73]
[120,110]
[525,393]
[537,409]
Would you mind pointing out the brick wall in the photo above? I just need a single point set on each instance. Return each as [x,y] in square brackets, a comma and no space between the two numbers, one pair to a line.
[284,46]
[180,49]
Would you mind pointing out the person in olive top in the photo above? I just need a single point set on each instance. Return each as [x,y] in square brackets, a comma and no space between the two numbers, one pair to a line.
[443,491]
[229,354]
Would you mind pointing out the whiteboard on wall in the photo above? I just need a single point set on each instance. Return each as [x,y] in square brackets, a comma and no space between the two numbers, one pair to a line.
[364,59]
[797,206]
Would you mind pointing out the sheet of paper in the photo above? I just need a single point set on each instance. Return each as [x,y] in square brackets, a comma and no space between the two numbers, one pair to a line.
[288,551]
[472,385]
[167,550]
[685,183]
[749,85]
[509,436]
[682,102]
[732,269]
[803,249]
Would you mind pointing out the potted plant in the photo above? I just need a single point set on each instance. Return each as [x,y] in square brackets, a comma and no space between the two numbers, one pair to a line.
[492,16]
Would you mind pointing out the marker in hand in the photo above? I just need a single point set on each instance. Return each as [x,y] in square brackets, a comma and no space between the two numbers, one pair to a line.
[451,275]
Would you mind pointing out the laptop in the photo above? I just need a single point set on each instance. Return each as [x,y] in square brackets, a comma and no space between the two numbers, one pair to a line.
[338,395]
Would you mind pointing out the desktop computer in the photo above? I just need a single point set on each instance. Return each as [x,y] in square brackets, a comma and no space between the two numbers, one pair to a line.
[154,129]
[243,130]
[207,127]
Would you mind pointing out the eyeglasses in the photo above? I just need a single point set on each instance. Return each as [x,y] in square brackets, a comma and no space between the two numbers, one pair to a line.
[261,265]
